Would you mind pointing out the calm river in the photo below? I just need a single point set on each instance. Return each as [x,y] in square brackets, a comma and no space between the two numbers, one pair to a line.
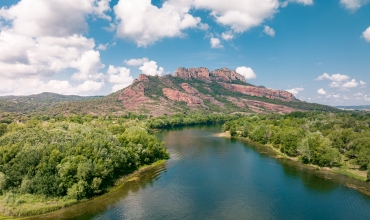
[210,177]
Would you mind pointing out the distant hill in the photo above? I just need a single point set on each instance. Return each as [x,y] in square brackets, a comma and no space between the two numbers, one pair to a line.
[37,102]
[358,107]
[193,89]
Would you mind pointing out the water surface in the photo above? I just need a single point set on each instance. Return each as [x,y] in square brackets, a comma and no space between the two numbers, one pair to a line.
[210,177]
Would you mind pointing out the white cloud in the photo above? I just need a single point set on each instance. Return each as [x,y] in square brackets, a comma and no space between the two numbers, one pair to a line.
[102,46]
[227,35]
[151,68]
[239,15]
[269,31]
[350,84]
[40,41]
[136,62]
[359,94]
[145,23]
[353,4]
[45,20]
[362,82]
[337,96]
[215,43]
[304,2]
[88,65]
[120,77]
[366,34]
[27,86]
[247,72]
[295,91]
[321,91]
[335,77]
[335,84]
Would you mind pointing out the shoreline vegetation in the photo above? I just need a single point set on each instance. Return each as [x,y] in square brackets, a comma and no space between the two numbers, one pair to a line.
[52,163]
[338,142]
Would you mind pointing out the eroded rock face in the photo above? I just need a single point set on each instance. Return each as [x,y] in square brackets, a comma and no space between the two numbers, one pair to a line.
[259,91]
[226,75]
[181,96]
[133,96]
[189,89]
[220,75]
[201,73]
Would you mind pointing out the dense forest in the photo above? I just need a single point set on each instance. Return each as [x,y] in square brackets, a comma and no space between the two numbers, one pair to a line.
[323,139]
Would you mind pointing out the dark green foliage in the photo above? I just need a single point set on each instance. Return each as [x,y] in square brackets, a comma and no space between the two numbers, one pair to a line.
[318,138]
[70,159]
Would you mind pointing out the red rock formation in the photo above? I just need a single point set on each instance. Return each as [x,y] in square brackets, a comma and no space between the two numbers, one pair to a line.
[259,91]
[189,89]
[181,96]
[201,73]
[142,77]
[226,75]
[132,97]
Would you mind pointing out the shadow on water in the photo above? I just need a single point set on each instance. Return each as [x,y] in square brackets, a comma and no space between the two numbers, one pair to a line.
[90,208]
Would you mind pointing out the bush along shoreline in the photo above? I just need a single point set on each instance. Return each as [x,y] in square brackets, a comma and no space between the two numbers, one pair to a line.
[340,141]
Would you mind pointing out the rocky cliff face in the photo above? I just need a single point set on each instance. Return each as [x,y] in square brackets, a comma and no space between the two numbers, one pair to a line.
[202,73]
[259,91]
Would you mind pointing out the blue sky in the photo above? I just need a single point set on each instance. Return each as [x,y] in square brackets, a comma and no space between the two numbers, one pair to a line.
[318,50]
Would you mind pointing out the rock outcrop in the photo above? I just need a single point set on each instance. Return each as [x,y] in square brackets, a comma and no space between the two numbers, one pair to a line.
[259,91]
[202,73]
[226,75]
[181,96]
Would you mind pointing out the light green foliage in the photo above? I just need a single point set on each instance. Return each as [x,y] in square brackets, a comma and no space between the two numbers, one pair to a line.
[318,138]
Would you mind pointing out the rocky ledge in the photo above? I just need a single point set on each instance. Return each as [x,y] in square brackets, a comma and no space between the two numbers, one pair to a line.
[202,73]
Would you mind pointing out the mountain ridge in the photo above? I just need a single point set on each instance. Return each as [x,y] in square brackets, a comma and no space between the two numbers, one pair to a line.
[188,90]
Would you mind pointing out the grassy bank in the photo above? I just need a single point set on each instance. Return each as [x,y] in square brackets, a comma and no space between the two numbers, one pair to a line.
[12,206]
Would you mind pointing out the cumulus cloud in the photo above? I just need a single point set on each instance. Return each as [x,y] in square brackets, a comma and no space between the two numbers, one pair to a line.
[119,76]
[151,68]
[295,91]
[247,72]
[366,34]
[42,42]
[269,31]
[136,62]
[27,86]
[44,20]
[145,23]
[215,43]
[335,84]
[335,77]
[321,91]
[227,35]
[350,84]
[353,4]
[102,46]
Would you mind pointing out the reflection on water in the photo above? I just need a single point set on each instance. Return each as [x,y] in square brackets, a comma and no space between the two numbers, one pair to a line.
[209,177]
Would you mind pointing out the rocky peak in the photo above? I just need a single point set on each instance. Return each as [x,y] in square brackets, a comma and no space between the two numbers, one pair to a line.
[142,77]
[226,75]
[202,73]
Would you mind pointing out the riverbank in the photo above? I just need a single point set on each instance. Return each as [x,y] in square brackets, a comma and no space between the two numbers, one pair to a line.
[32,206]
[346,169]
